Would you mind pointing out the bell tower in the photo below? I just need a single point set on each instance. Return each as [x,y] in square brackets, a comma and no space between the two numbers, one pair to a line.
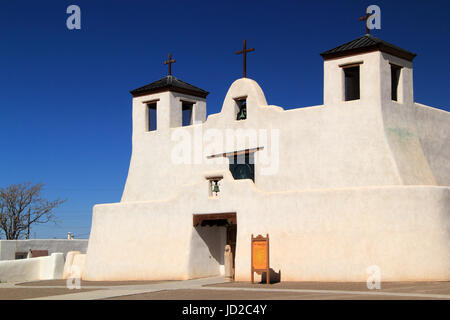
[167,103]
[368,69]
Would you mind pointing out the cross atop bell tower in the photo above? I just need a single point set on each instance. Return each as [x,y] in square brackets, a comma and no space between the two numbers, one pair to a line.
[169,62]
[365,18]
[244,53]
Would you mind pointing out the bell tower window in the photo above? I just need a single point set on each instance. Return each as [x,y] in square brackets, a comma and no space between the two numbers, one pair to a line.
[351,75]
[151,117]
[241,109]
[186,113]
[395,77]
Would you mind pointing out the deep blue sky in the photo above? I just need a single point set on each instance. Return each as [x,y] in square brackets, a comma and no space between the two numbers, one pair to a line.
[64,94]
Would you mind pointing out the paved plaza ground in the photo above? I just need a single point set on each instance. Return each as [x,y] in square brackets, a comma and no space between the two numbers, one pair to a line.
[218,289]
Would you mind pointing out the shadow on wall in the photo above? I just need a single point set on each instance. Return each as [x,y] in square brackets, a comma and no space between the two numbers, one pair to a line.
[211,236]
[274,276]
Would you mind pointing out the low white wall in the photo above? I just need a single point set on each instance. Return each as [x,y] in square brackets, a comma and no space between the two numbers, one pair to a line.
[20,270]
[8,248]
[42,268]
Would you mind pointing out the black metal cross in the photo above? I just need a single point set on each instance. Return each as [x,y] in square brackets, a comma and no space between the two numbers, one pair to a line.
[365,19]
[244,51]
[169,62]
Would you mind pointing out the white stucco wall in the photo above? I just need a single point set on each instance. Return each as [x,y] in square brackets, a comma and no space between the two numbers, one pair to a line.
[434,134]
[323,235]
[41,268]
[365,142]
[8,248]
[334,235]
[318,147]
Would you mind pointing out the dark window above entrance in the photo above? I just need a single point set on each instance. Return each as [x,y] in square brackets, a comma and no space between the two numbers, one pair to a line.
[241,163]
[242,166]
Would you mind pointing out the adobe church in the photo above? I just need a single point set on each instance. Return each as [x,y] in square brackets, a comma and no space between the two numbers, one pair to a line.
[361,180]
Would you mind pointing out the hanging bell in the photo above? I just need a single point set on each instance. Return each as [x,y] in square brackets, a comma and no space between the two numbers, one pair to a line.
[216,187]
[242,114]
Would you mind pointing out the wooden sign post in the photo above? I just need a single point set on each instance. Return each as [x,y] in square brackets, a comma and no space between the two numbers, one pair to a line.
[260,256]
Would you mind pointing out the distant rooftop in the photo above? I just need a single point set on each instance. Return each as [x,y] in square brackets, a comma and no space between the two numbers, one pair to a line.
[170,83]
[367,43]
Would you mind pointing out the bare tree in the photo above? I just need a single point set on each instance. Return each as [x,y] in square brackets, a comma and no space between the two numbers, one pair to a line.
[22,206]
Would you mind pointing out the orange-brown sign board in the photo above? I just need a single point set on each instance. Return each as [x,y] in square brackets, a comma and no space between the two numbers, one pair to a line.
[260,256]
